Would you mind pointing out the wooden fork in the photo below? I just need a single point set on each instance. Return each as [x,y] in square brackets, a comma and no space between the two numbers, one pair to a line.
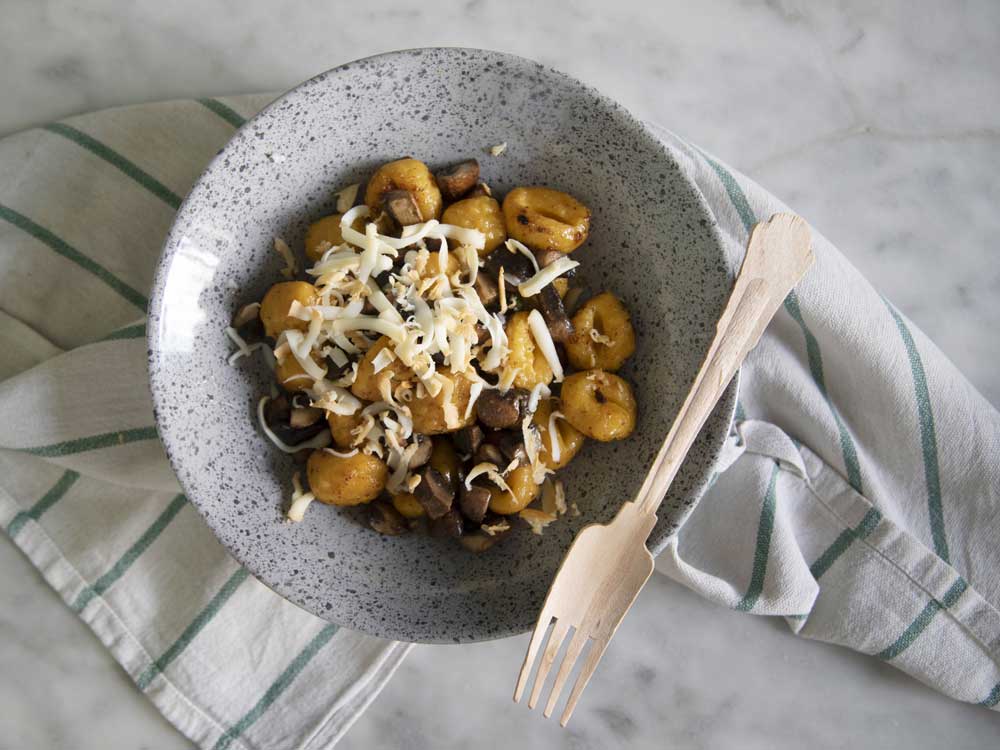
[608,564]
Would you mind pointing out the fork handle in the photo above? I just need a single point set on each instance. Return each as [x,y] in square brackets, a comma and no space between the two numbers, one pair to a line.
[778,255]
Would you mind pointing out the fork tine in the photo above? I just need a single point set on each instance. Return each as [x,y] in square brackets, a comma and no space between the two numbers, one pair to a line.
[589,665]
[529,658]
[572,654]
[559,631]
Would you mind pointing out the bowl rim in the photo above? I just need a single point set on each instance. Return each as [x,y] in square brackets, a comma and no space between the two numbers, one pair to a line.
[726,407]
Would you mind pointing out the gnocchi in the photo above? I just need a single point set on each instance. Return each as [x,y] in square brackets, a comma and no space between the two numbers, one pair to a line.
[463,449]
[353,480]
[546,219]
[603,337]
[599,404]
[410,175]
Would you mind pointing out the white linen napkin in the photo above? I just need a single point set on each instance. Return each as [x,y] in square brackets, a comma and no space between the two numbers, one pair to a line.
[856,497]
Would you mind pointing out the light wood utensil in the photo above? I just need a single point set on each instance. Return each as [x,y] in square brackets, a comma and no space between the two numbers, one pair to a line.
[608,564]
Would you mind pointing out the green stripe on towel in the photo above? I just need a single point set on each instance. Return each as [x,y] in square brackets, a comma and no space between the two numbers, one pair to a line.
[64,249]
[191,631]
[93,442]
[746,214]
[923,620]
[128,332]
[842,542]
[277,687]
[765,528]
[928,436]
[993,698]
[227,113]
[116,160]
[133,553]
[50,498]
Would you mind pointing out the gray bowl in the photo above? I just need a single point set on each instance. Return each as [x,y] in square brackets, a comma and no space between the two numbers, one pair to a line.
[654,243]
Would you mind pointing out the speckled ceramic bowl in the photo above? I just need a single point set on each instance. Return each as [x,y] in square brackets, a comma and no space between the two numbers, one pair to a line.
[653,242]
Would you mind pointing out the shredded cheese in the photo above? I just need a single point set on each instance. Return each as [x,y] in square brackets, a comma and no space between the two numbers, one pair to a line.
[291,267]
[599,338]
[537,519]
[502,288]
[300,500]
[320,441]
[540,332]
[498,149]
[544,277]
[490,470]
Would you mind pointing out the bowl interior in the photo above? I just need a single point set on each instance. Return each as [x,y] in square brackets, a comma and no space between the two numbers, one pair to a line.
[653,243]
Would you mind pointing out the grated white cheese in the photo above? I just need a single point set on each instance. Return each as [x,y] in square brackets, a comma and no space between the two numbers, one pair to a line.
[474,391]
[539,392]
[338,454]
[537,519]
[291,267]
[498,149]
[555,441]
[383,359]
[490,470]
[300,500]
[540,332]
[502,288]
[546,276]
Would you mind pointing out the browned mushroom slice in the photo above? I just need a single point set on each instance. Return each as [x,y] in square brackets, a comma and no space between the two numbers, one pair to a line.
[434,493]
[304,416]
[247,323]
[447,525]
[385,519]
[501,410]
[489,454]
[516,267]
[511,445]
[550,305]
[278,415]
[468,439]
[458,179]
[548,257]
[401,206]
[423,453]
[486,288]
[474,501]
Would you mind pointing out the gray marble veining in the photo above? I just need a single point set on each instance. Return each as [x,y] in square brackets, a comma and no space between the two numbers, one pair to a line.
[878,122]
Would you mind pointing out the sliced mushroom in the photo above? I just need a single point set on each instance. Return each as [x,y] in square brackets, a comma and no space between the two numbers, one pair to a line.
[385,519]
[501,410]
[516,267]
[458,179]
[423,453]
[247,323]
[278,415]
[511,445]
[468,439]
[490,454]
[474,501]
[550,305]
[548,257]
[486,288]
[434,493]
[401,206]
[304,416]
[449,524]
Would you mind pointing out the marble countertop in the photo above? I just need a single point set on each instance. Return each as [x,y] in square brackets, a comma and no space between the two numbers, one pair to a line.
[879,123]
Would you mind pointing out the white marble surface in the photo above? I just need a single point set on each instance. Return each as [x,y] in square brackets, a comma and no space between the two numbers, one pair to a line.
[880,124]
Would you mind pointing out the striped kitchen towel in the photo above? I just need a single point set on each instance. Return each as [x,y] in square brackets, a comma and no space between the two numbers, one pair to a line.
[856,496]
[859,496]
[85,488]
